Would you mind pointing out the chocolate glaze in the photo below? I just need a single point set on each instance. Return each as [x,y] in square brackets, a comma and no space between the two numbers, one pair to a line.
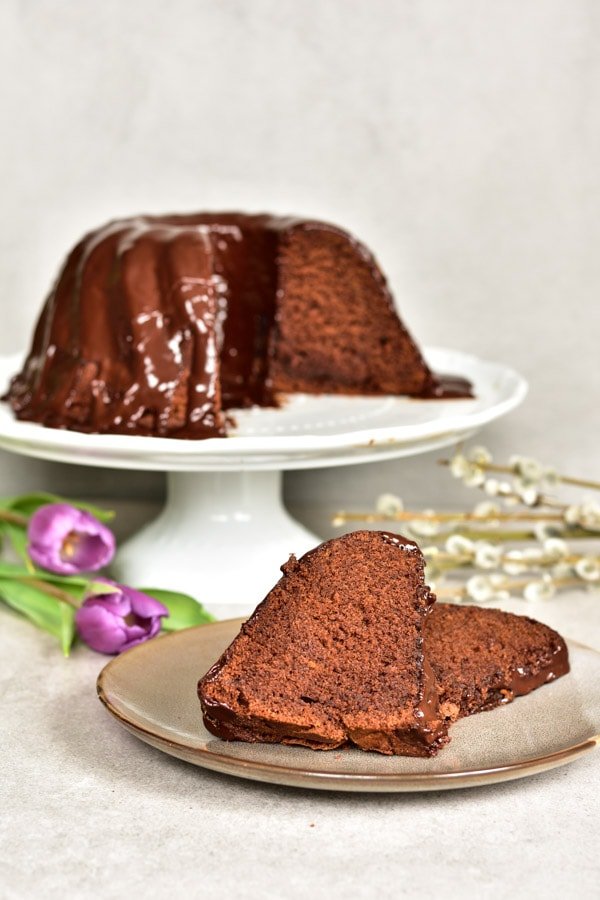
[245,254]
[431,728]
[139,335]
[398,540]
[223,722]
[447,387]
[158,324]
[524,680]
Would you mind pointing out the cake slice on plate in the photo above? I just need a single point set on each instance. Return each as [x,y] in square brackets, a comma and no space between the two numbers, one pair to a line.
[334,655]
[485,657]
[348,648]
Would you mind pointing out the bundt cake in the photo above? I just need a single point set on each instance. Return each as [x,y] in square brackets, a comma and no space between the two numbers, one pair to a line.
[482,657]
[157,325]
[334,655]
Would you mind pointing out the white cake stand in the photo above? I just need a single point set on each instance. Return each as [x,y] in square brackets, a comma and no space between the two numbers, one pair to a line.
[224,531]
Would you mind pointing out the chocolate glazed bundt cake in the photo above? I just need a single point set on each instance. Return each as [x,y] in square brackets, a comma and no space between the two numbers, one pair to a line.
[157,325]
[334,655]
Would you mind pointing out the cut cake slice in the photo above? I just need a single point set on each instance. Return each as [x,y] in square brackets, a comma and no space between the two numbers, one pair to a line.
[485,657]
[334,655]
[336,328]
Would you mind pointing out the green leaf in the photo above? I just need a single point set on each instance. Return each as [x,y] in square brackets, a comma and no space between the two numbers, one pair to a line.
[102,588]
[76,584]
[27,504]
[72,583]
[42,610]
[184,611]
[67,629]
[18,539]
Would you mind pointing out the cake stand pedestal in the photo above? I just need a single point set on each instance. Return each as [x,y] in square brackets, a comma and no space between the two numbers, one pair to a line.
[224,532]
[222,536]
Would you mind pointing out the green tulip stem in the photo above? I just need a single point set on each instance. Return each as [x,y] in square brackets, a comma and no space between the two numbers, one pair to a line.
[52,590]
[13,518]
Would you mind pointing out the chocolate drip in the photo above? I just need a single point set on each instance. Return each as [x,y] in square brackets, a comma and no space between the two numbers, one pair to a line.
[524,680]
[447,387]
[246,261]
[155,325]
[430,727]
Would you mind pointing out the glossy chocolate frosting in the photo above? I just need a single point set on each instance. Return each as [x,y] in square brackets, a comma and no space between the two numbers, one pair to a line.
[525,679]
[159,324]
[447,387]
[138,334]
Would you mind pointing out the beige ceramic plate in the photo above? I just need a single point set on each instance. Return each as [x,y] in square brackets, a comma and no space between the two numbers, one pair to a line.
[151,690]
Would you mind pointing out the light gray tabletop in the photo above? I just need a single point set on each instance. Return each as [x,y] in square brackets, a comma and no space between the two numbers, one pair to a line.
[459,140]
[89,811]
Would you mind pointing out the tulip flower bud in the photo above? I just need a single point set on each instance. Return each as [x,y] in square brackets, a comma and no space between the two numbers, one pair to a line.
[115,618]
[68,541]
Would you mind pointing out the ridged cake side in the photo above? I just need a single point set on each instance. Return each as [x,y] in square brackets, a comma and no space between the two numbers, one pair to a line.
[128,341]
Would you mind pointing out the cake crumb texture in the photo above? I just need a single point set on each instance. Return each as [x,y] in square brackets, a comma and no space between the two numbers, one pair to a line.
[334,655]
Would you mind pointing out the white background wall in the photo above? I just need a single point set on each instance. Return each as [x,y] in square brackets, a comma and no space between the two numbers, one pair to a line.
[459,138]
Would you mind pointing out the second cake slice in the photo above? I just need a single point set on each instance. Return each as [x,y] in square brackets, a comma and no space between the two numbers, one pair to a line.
[334,655]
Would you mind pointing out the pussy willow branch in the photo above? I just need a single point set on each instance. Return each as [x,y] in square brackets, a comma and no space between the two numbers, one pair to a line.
[548,560]
[500,536]
[408,515]
[573,532]
[507,470]
[447,562]
[509,585]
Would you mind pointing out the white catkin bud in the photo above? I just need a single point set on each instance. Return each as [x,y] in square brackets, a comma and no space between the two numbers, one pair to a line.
[425,527]
[479,588]
[543,589]
[389,505]
[588,568]
[479,455]
[528,493]
[459,465]
[458,545]
[492,487]
[529,470]
[514,563]
[590,515]
[475,477]
[556,548]
[486,510]
[544,531]
[487,556]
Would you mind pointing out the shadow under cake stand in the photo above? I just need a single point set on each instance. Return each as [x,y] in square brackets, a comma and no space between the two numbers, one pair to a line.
[224,532]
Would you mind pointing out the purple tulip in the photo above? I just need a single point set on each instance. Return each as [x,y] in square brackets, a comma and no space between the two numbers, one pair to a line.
[118,619]
[66,540]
